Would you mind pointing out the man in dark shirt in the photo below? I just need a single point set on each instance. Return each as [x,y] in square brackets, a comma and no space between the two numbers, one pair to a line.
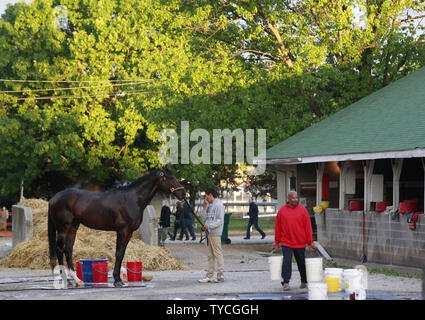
[164,223]
[180,222]
[187,212]
[253,220]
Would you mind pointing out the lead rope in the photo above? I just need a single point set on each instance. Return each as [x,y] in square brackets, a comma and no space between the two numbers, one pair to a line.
[200,221]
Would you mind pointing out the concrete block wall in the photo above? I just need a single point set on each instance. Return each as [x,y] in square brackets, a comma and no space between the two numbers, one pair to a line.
[22,224]
[387,241]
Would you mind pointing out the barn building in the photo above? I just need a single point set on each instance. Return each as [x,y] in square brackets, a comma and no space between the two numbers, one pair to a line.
[364,166]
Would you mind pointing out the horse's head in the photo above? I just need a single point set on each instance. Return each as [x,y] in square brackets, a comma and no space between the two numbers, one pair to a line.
[169,183]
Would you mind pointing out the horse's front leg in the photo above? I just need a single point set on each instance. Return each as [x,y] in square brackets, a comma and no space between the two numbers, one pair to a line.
[123,237]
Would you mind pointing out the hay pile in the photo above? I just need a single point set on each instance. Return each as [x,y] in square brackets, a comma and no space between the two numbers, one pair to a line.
[89,244]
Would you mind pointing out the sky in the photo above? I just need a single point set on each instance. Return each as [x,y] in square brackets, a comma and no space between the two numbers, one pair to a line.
[3,4]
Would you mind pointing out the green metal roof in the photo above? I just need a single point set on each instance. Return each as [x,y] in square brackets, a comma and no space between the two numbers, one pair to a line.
[390,119]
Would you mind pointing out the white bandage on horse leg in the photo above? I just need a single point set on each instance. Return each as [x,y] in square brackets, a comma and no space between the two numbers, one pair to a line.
[74,276]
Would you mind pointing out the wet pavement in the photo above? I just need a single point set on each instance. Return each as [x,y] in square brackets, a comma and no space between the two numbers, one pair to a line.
[163,288]
[247,277]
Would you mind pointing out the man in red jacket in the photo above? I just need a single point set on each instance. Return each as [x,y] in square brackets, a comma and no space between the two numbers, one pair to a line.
[293,232]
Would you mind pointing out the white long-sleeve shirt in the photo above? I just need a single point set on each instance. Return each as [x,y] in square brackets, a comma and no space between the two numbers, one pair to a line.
[213,215]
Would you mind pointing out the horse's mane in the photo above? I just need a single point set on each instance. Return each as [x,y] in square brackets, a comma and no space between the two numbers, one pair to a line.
[148,175]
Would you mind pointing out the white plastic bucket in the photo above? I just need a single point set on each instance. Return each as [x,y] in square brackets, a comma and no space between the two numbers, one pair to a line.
[335,273]
[317,291]
[360,294]
[352,280]
[314,269]
[363,269]
[275,266]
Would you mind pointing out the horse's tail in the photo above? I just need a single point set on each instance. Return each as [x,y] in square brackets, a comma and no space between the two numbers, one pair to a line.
[51,229]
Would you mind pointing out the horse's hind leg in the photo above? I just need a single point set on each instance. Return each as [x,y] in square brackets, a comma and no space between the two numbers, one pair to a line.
[69,244]
[64,243]
[60,246]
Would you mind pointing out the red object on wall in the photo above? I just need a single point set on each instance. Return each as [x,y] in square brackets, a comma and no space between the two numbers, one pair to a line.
[381,206]
[411,205]
[356,205]
[402,208]
[412,223]
[325,187]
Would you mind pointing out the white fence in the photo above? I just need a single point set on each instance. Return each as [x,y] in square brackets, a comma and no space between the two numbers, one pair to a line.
[265,209]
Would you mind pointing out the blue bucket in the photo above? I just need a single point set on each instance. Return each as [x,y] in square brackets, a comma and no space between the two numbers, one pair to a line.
[87,268]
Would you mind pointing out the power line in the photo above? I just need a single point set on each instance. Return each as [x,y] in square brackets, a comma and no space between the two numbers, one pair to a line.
[84,96]
[70,88]
[70,81]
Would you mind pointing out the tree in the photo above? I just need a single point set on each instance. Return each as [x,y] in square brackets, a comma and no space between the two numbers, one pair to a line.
[112,54]
[320,43]
[125,70]
[294,63]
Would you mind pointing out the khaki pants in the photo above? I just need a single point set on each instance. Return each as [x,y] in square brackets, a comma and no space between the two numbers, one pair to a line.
[215,253]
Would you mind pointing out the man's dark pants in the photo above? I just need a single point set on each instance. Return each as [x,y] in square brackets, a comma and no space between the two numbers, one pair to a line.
[299,254]
[255,223]
[189,226]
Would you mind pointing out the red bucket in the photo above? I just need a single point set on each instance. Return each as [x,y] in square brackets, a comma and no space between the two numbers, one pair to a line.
[79,271]
[100,271]
[134,271]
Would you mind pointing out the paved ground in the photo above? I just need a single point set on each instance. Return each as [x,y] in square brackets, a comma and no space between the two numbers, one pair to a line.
[246,277]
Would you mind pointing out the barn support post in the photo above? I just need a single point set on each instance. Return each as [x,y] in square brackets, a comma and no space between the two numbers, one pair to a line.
[320,168]
[397,165]
[368,166]
[343,165]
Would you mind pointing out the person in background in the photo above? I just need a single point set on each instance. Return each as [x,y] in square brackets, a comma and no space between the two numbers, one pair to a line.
[293,232]
[213,215]
[179,221]
[183,220]
[164,223]
[253,219]
[188,219]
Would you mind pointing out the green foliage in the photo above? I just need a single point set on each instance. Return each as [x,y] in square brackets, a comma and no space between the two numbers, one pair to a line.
[276,65]
[293,63]
[93,134]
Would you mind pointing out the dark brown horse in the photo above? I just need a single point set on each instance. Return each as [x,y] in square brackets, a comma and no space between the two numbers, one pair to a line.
[120,209]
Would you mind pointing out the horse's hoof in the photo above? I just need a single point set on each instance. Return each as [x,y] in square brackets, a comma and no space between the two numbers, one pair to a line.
[119,284]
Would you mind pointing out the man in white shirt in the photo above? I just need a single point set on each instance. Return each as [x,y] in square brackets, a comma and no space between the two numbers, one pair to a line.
[213,215]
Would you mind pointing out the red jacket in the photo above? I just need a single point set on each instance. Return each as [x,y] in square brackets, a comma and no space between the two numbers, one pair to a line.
[293,227]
